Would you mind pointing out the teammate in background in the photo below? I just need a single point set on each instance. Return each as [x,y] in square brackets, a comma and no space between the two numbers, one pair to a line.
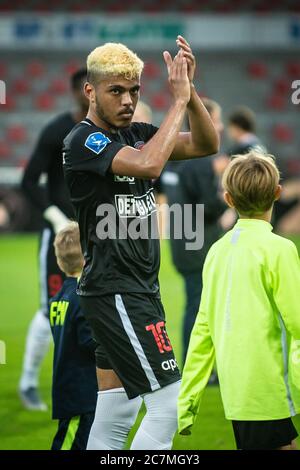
[249,317]
[241,130]
[109,165]
[54,203]
[74,382]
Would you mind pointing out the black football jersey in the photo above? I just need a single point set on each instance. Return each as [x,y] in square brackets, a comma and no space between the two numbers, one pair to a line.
[47,158]
[116,214]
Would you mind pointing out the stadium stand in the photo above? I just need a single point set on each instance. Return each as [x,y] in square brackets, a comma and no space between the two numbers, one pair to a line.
[152,6]
[37,82]
[38,89]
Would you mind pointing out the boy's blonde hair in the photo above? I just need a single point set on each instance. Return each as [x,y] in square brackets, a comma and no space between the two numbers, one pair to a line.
[68,249]
[252,181]
[113,59]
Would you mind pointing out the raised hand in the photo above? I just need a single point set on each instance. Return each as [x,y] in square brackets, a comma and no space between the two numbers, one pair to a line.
[188,54]
[178,76]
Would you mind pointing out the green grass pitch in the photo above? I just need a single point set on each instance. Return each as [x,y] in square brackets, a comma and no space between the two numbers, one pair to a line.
[22,429]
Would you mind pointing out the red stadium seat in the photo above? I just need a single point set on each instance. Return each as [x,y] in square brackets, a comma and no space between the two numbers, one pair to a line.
[21,86]
[257,70]
[282,86]
[77,8]
[189,8]
[5,150]
[277,102]
[43,7]
[6,6]
[45,102]
[35,69]
[116,7]
[153,8]
[160,101]
[293,69]
[16,133]
[151,70]
[72,66]
[9,105]
[283,133]
[59,86]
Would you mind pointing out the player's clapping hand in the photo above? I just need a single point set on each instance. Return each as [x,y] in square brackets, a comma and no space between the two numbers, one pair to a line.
[188,54]
[178,76]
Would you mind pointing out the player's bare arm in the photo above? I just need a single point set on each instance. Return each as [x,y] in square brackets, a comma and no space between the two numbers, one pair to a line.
[149,162]
[202,139]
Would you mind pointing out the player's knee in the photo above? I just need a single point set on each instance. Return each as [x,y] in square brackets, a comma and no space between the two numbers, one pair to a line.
[160,422]
[114,417]
[163,402]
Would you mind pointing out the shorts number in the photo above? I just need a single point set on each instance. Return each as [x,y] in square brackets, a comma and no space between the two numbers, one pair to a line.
[160,335]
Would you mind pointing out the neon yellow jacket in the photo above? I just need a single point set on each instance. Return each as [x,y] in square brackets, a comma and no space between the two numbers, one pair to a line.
[249,321]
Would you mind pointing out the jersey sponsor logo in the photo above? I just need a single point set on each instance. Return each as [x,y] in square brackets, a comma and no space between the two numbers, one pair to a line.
[171,364]
[58,312]
[129,205]
[124,179]
[97,142]
[160,336]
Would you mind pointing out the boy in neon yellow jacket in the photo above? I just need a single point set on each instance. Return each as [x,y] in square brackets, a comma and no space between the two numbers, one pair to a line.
[249,318]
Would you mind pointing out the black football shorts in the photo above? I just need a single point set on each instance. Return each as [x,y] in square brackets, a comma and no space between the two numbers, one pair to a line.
[264,435]
[130,331]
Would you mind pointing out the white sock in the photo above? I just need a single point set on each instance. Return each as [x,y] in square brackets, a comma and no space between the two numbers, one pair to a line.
[114,417]
[37,344]
[159,425]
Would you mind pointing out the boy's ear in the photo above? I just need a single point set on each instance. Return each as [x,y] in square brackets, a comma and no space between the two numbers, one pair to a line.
[228,199]
[278,192]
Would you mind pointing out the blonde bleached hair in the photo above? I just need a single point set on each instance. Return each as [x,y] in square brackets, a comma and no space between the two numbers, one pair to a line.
[68,249]
[252,180]
[113,59]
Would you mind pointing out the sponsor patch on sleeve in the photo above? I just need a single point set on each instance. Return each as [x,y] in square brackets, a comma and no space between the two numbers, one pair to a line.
[97,142]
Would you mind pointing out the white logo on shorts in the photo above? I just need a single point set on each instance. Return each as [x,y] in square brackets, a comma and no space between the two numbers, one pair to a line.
[169,365]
